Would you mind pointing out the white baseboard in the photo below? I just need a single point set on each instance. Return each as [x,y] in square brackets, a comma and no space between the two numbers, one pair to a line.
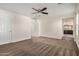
[17,40]
[52,36]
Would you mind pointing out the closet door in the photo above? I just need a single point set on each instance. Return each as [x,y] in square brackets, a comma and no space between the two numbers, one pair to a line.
[5,27]
[35,27]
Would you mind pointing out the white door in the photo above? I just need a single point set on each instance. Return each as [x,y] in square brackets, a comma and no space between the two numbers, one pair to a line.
[5,28]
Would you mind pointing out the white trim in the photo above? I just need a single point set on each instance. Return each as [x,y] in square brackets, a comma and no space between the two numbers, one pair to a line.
[77,15]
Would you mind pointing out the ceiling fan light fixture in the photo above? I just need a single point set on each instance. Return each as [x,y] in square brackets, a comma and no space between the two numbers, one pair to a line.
[42,11]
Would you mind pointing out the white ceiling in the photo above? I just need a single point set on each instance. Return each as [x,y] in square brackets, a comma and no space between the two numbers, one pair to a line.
[53,9]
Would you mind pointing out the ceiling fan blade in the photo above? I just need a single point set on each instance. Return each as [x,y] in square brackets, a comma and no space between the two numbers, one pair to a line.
[34,12]
[35,9]
[45,12]
[43,9]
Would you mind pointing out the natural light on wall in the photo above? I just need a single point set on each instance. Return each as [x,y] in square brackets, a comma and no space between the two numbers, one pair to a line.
[77,15]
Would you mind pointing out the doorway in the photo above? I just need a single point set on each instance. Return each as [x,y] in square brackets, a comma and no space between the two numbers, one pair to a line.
[68,26]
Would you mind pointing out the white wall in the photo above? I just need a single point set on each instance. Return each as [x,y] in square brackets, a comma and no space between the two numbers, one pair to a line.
[77,24]
[14,27]
[21,27]
[51,27]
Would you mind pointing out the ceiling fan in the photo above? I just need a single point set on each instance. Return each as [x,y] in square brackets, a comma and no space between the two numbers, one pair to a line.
[40,11]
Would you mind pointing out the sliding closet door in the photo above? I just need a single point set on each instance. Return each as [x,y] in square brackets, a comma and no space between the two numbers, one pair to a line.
[5,27]
[14,27]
